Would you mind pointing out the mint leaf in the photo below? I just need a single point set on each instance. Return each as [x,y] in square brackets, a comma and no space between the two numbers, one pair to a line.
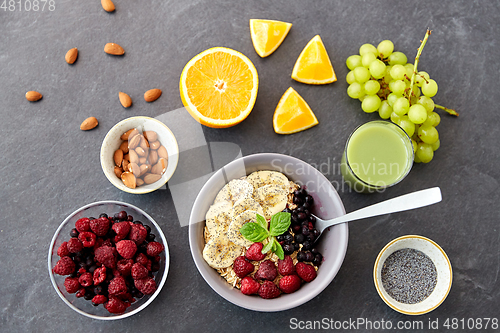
[280,222]
[279,250]
[261,220]
[268,246]
[274,244]
[254,232]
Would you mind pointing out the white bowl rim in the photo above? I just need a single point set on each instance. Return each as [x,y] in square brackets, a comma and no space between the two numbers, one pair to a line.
[322,284]
[140,189]
[151,298]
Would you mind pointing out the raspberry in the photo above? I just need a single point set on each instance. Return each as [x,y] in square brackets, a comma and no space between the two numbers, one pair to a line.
[117,286]
[106,255]
[64,266]
[99,299]
[266,271]
[137,234]
[154,249]
[126,248]
[242,267]
[268,290]
[81,271]
[289,283]
[254,252]
[87,238]
[121,229]
[138,271]
[74,245]
[146,286]
[285,266]
[98,243]
[86,279]
[124,266]
[100,226]
[115,305]
[62,251]
[71,284]
[80,293]
[305,271]
[83,224]
[249,286]
[156,259]
[99,275]
[142,259]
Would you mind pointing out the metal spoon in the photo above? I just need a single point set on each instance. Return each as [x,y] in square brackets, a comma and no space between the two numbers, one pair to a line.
[399,204]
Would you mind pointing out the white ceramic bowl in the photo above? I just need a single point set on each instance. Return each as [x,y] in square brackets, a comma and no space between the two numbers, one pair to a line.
[112,142]
[438,257]
[61,235]
[327,204]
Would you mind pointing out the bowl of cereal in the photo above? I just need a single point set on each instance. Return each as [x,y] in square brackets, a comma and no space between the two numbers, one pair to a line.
[139,155]
[252,234]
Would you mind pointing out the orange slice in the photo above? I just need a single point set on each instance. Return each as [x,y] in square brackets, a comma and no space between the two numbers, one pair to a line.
[218,87]
[313,65]
[267,35]
[292,114]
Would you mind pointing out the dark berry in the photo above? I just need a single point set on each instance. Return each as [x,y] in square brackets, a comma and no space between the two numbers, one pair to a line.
[299,238]
[301,256]
[287,210]
[296,193]
[306,205]
[150,237]
[314,250]
[288,239]
[130,218]
[148,228]
[73,232]
[310,226]
[318,259]
[280,238]
[103,215]
[122,216]
[307,212]
[309,256]
[316,233]
[138,222]
[312,219]
[297,201]
[92,268]
[296,246]
[300,209]
[305,230]
[296,228]
[310,237]
[88,297]
[288,249]
[302,216]
[303,192]
[309,199]
[294,218]
[306,246]
[98,290]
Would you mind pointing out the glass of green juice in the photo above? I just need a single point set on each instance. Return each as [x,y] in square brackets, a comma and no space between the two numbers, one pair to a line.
[377,155]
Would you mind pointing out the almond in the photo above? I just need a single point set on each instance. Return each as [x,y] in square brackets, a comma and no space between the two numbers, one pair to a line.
[118,172]
[152,95]
[125,164]
[128,133]
[128,179]
[71,56]
[124,147]
[160,167]
[134,142]
[155,145]
[141,152]
[118,157]
[153,157]
[114,49]
[150,178]
[33,96]
[108,5]
[142,160]
[151,136]
[144,143]
[134,168]
[162,152]
[145,168]
[125,99]
[139,182]
[133,156]
[89,123]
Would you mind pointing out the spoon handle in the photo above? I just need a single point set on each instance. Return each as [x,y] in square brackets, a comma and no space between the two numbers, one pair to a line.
[399,204]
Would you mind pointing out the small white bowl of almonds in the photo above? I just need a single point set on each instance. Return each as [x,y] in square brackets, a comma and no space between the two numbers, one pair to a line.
[139,155]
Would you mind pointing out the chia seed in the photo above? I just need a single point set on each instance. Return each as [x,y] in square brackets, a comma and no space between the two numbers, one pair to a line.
[409,276]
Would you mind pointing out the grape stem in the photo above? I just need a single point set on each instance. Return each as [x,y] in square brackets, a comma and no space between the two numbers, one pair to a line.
[417,57]
[450,111]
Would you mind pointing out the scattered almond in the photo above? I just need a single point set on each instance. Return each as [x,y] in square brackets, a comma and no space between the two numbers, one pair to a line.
[108,5]
[114,49]
[71,56]
[152,95]
[150,178]
[89,123]
[33,96]
[118,157]
[125,99]
[128,179]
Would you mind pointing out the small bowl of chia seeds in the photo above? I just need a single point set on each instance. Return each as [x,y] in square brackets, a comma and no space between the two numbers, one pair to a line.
[412,275]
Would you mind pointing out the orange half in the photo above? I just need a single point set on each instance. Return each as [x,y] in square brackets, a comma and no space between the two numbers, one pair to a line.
[293,114]
[313,65]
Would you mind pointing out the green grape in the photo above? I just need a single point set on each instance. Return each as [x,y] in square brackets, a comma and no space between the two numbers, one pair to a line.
[371,103]
[372,87]
[385,48]
[428,134]
[417,114]
[398,72]
[416,91]
[415,135]
[435,117]
[409,70]
[355,90]
[430,88]
[414,145]
[421,78]
[401,106]
[435,146]
[395,118]
[385,110]
[361,74]
[362,98]
[391,99]
[387,76]
[353,61]
[424,152]
[427,103]
[377,69]
[407,125]
[350,77]
[397,86]
[416,159]
[367,48]
[397,58]
[368,58]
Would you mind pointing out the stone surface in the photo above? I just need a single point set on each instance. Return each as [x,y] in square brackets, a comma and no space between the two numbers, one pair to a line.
[50,168]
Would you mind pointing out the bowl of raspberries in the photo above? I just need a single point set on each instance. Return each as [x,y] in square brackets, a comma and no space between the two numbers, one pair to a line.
[108,260]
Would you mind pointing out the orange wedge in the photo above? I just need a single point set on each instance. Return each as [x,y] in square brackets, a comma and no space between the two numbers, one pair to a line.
[218,87]
[267,35]
[313,65]
[292,114]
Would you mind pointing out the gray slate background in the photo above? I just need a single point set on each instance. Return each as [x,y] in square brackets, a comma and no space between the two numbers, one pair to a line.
[50,168]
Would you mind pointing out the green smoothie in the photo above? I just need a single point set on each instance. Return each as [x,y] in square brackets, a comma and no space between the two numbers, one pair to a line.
[378,154]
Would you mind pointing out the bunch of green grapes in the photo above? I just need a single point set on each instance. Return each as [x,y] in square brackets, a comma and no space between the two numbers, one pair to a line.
[380,78]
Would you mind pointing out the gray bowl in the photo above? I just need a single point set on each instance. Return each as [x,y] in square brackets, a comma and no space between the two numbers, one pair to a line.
[327,204]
